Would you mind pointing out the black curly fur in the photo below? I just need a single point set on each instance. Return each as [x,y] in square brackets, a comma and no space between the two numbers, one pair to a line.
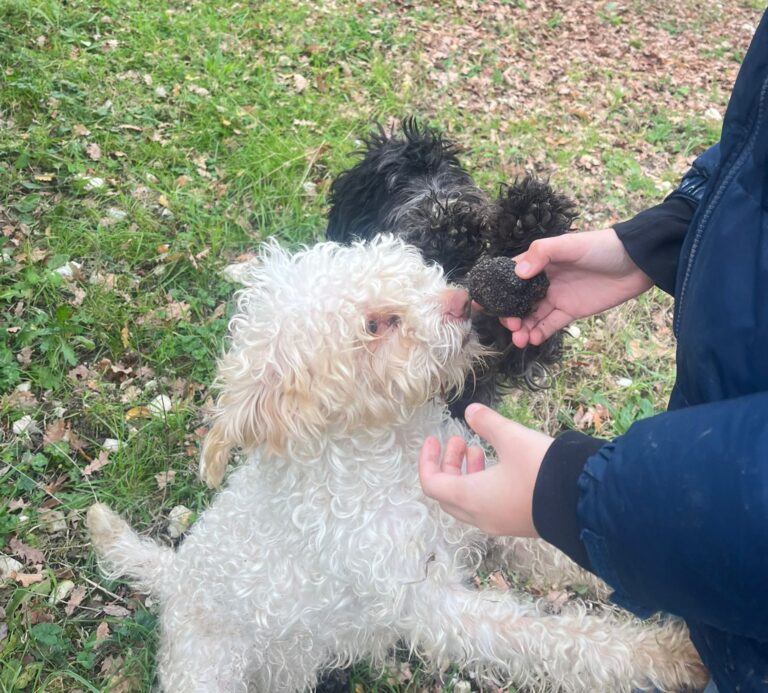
[527,210]
[414,187]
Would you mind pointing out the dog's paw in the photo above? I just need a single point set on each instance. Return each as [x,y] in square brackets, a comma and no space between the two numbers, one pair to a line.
[104,525]
[527,210]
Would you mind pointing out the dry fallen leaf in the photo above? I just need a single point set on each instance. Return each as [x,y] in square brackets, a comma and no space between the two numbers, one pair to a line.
[26,579]
[498,581]
[78,296]
[55,432]
[53,486]
[9,567]
[75,599]
[52,521]
[93,151]
[176,310]
[114,371]
[123,682]
[37,255]
[299,83]
[24,357]
[582,419]
[138,413]
[62,590]
[179,519]
[102,633]
[165,478]
[557,599]
[28,553]
[79,372]
[101,461]
[26,425]
[36,616]
[599,418]
[116,610]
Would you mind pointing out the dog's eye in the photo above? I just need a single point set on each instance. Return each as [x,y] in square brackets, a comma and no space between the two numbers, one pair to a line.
[379,325]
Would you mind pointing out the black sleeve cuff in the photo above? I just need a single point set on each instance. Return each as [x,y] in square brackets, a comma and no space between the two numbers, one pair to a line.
[653,239]
[556,494]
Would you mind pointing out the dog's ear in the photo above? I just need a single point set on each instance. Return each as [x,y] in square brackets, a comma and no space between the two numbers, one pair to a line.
[214,457]
[261,405]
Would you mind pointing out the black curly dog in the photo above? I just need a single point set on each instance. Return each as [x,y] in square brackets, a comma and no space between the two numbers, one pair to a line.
[412,185]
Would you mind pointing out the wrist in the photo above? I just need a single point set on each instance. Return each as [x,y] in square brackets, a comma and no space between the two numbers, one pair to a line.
[556,493]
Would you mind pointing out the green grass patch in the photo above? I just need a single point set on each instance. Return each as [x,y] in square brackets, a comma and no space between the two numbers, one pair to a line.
[145,145]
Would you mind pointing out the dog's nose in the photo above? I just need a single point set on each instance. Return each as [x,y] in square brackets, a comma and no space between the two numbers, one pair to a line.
[456,304]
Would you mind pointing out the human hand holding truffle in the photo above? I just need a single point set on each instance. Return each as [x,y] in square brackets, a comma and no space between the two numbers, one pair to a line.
[497,499]
[588,273]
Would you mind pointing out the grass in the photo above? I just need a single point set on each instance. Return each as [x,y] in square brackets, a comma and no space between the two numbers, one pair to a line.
[145,145]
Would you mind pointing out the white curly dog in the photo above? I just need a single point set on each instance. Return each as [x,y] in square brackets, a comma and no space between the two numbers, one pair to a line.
[322,549]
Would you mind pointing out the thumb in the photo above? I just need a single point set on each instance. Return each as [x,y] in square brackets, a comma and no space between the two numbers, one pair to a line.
[489,424]
[533,260]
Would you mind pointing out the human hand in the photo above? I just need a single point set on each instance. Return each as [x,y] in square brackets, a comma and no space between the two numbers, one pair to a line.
[588,273]
[497,499]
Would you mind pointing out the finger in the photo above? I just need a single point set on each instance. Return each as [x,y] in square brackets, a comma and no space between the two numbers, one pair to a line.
[453,458]
[435,484]
[429,461]
[521,338]
[565,248]
[475,460]
[512,324]
[533,260]
[540,311]
[546,327]
[490,424]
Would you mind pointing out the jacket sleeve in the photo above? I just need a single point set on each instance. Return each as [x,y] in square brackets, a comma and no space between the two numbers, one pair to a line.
[654,237]
[674,514]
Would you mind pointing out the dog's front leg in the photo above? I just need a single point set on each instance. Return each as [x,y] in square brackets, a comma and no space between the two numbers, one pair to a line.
[505,638]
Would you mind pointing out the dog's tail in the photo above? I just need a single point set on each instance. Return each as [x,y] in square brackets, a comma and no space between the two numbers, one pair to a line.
[123,553]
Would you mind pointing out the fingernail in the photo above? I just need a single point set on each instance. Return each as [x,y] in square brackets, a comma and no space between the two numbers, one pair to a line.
[472,409]
[522,267]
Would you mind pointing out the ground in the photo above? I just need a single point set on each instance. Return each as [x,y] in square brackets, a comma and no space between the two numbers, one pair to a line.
[146,144]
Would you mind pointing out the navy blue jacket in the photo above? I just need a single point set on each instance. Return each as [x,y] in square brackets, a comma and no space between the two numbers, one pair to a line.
[674,513]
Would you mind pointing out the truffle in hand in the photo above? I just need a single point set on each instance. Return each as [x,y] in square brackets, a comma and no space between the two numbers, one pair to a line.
[495,286]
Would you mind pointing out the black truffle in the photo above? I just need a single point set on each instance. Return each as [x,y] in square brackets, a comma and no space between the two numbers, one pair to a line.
[495,286]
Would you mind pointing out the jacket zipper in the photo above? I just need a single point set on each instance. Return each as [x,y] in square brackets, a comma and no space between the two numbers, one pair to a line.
[732,170]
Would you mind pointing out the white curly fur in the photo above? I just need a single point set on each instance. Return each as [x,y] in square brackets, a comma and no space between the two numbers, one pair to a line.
[321,549]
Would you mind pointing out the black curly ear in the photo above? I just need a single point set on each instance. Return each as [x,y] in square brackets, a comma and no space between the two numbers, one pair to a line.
[527,210]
